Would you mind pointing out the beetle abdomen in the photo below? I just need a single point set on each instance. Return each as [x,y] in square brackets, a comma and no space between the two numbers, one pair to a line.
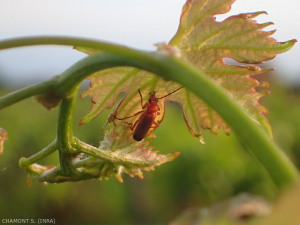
[143,126]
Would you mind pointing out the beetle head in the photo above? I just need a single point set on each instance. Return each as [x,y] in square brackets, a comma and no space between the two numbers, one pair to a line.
[152,97]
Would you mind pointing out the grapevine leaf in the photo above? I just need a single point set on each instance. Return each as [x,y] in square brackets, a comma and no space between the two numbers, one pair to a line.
[126,156]
[205,43]
[36,170]
[134,157]
[3,137]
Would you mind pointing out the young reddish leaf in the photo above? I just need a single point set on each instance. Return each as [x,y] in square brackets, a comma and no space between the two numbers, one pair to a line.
[130,157]
[125,156]
[205,43]
[35,171]
[3,137]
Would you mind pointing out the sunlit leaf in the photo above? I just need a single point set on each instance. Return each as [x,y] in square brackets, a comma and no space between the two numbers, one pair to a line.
[3,137]
[107,84]
[205,43]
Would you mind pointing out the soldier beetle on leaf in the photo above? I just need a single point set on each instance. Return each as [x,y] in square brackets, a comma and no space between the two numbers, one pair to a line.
[146,120]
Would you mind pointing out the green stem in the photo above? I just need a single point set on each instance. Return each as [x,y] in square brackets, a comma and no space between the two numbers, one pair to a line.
[119,159]
[65,137]
[65,120]
[30,41]
[26,92]
[282,171]
[102,154]
[25,162]
[280,168]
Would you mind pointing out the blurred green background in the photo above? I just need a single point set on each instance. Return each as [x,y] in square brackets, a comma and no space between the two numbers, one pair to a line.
[200,176]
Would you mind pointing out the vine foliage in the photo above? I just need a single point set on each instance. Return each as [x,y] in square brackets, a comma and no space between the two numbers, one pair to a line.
[215,94]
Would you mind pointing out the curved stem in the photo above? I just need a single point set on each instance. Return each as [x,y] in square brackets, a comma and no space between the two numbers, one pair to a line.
[70,41]
[280,168]
[25,162]
[26,92]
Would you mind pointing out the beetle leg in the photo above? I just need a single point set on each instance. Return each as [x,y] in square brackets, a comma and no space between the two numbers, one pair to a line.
[155,124]
[129,116]
[129,124]
[141,98]
[132,125]
[146,104]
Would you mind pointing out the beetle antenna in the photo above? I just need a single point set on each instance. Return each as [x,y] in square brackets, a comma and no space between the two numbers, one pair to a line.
[170,93]
[153,92]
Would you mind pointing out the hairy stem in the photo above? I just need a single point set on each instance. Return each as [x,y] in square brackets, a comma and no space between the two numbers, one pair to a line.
[25,162]
[64,125]
[280,168]
[65,137]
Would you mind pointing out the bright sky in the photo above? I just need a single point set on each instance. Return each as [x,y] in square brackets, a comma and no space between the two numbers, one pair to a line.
[134,23]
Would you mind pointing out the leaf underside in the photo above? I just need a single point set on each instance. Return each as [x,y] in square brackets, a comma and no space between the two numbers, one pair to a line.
[205,43]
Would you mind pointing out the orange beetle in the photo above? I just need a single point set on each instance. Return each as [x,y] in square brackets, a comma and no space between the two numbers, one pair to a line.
[147,120]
